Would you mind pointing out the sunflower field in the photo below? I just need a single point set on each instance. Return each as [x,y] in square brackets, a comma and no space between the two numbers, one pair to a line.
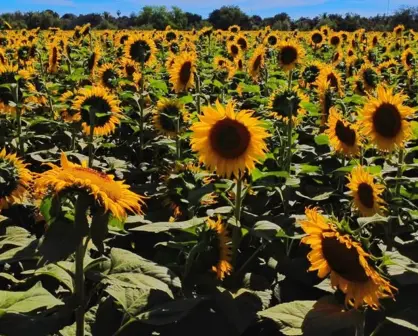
[208,182]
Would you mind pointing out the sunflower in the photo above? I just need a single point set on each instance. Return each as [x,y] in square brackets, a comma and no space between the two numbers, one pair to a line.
[289,55]
[109,76]
[366,193]
[3,59]
[223,265]
[15,179]
[256,63]
[233,49]
[183,71]
[103,105]
[271,40]
[234,29]
[170,35]
[8,73]
[166,114]
[68,114]
[317,38]
[335,40]
[129,67]
[337,57]
[343,135]
[228,142]
[399,29]
[327,97]
[408,58]
[388,68]
[113,196]
[338,254]
[384,119]
[140,48]
[311,72]
[284,103]
[93,60]
[242,41]
[369,77]
[330,75]
[224,68]
[54,58]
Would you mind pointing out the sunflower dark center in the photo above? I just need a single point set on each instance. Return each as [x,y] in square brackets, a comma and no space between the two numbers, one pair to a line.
[365,193]
[317,38]
[310,74]
[234,49]
[54,58]
[387,121]
[185,72]
[288,55]
[174,47]
[140,51]
[130,69]
[109,77]
[350,53]
[170,36]
[286,104]
[343,260]
[8,178]
[370,77]
[409,59]
[24,53]
[123,39]
[335,40]
[345,134]
[229,138]
[272,40]
[101,109]
[242,42]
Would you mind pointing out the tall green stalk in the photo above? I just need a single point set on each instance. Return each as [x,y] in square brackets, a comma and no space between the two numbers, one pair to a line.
[197,79]
[92,117]
[79,288]
[178,139]
[236,233]
[141,111]
[399,172]
[289,126]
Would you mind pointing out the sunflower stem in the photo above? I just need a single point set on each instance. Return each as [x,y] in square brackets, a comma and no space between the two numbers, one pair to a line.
[141,112]
[399,172]
[251,258]
[178,139]
[19,131]
[236,233]
[92,116]
[197,78]
[51,107]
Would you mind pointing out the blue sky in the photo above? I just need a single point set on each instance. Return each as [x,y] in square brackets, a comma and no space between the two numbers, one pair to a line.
[294,8]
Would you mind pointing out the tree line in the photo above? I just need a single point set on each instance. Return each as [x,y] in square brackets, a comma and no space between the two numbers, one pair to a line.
[158,17]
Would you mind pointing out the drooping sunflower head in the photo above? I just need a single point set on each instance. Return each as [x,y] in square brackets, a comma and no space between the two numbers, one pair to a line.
[68,113]
[15,179]
[343,135]
[242,41]
[168,113]
[96,102]
[54,58]
[257,63]
[365,192]
[109,75]
[221,244]
[140,49]
[325,30]
[227,142]
[345,260]
[129,67]
[110,195]
[93,59]
[337,57]
[224,68]
[290,54]
[286,103]
[399,29]
[384,119]
[8,74]
[332,76]
[182,72]
[409,59]
[327,98]
[369,76]
[388,69]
